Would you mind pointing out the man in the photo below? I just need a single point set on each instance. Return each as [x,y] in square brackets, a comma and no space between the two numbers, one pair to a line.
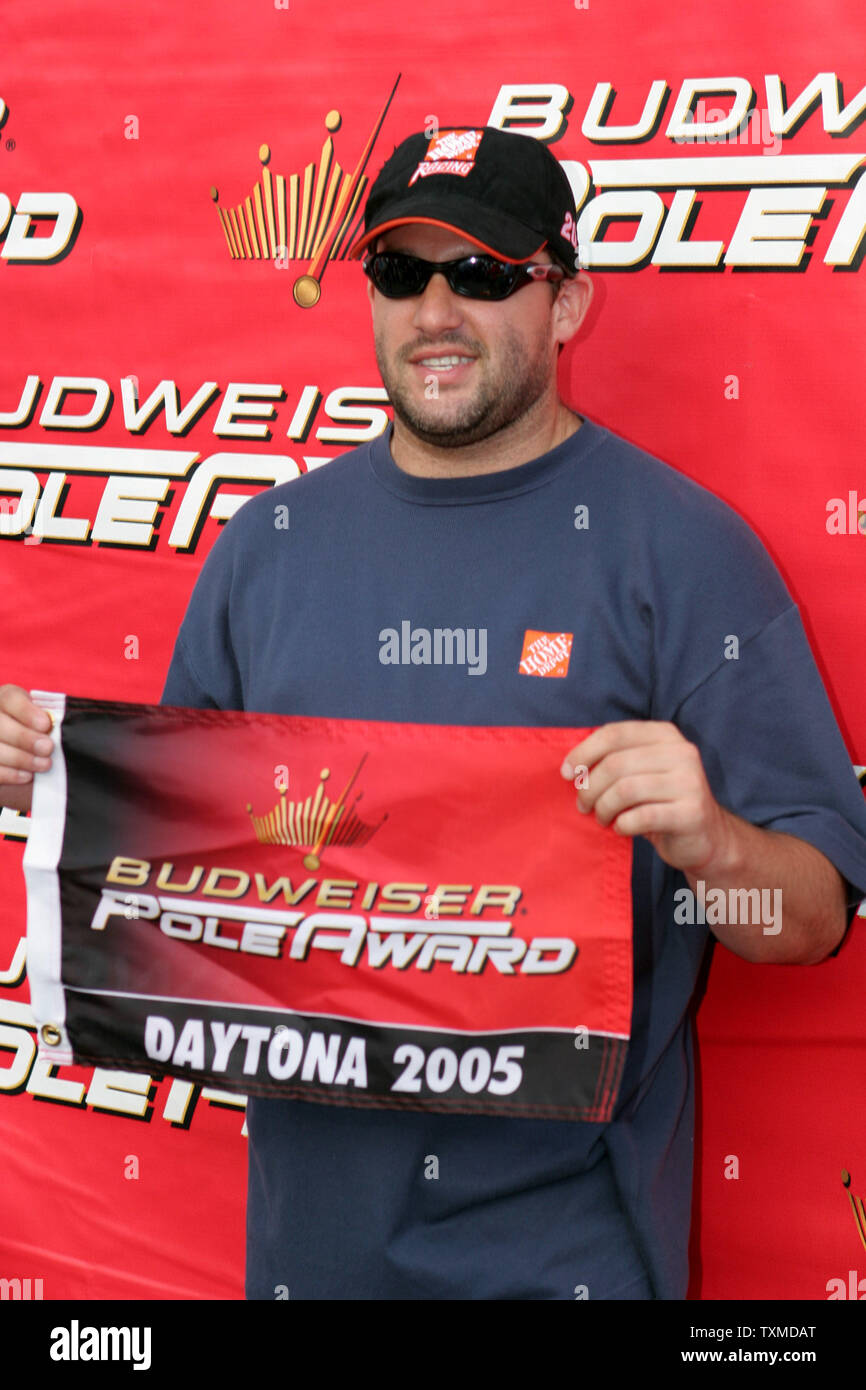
[490,504]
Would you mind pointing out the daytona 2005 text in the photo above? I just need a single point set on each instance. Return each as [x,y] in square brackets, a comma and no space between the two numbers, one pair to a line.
[283,1054]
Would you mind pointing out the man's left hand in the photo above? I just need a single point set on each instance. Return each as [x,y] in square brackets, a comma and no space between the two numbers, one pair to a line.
[645,778]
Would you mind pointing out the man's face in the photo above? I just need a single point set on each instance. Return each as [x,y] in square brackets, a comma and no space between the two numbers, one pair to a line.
[459,370]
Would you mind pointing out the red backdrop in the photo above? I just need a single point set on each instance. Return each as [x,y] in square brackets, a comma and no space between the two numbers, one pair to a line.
[725,337]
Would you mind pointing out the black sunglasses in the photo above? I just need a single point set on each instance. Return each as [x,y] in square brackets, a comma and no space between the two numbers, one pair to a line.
[397,276]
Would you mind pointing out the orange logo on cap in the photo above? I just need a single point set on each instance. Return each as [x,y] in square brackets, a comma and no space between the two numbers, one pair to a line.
[545,653]
[455,144]
[450,152]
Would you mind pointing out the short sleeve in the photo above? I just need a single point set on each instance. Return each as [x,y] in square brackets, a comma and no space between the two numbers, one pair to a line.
[772,749]
[183,686]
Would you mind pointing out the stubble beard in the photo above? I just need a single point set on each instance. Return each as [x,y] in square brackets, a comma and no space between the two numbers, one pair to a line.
[502,397]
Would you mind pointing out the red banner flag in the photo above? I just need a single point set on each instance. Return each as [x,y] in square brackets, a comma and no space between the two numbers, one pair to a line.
[360,913]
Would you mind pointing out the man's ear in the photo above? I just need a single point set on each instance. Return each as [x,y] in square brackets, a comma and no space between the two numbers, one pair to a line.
[371,288]
[571,305]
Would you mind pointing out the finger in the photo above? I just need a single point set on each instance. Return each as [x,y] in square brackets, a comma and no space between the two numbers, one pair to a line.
[654,818]
[22,749]
[609,738]
[630,762]
[629,792]
[16,701]
[17,766]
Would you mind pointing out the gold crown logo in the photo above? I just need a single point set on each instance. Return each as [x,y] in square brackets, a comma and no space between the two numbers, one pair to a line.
[856,1206]
[303,216]
[315,822]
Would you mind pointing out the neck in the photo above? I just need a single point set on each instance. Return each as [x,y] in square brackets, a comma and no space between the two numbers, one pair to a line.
[523,440]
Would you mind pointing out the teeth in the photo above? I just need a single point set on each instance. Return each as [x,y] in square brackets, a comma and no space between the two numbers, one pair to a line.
[443,361]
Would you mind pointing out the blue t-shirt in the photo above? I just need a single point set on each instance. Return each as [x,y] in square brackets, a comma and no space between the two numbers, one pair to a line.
[653,580]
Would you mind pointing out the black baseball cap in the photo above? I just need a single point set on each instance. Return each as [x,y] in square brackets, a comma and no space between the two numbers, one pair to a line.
[503,190]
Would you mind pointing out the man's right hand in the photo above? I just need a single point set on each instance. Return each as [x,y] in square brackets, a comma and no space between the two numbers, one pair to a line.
[23,727]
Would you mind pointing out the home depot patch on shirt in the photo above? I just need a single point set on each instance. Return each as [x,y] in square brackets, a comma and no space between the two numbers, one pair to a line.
[545,653]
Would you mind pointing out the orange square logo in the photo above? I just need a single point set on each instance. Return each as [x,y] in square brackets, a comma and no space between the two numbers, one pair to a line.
[449,152]
[545,653]
[455,144]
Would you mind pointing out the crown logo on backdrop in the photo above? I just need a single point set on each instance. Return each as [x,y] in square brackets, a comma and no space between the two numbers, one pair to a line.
[857,1207]
[315,822]
[303,217]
